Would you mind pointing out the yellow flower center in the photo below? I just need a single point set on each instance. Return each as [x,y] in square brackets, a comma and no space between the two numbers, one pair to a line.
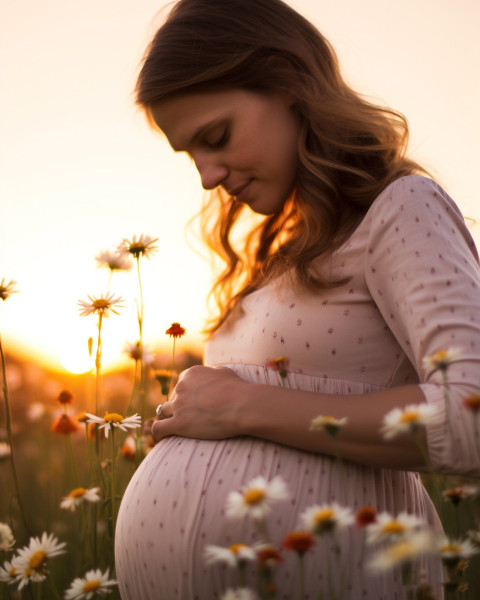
[440,355]
[113,417]
[326,514]
[136,248]
[254,496]
[101,303]
[13,572]
[401,550]
[453,548]
[393,527]
[92,585]
[77,492]
[411,416]
[236,548]
[37,560]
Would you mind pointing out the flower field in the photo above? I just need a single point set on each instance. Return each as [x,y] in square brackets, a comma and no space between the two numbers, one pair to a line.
[70,444]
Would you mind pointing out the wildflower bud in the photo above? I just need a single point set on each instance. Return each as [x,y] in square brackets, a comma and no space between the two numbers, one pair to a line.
[366,515]
[64,425]
[65,397]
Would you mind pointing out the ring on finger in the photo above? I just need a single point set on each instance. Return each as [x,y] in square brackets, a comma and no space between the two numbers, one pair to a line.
[159,411]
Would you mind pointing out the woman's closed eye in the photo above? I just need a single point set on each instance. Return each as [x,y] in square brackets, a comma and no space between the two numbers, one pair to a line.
[217,140]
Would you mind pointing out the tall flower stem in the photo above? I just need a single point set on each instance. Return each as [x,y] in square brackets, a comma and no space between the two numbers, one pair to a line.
[8,418]
[98,365]
[301,569]
[171,370]
[140,308]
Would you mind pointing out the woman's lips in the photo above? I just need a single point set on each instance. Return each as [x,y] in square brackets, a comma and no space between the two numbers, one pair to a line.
[241,191]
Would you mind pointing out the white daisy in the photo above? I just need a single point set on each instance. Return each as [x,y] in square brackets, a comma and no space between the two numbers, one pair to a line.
[234,555]
[407,419]
[459,493]
[94,582]
[330,425]
[102,306]
[239,594]
[6,289]
[455,550]
[256,498]
[403,551]
[7,541]
[392,528]
[144,246]
[441,359]
[474,536]
[136,352]
[78,496]
[115,261]
[4,450]
[325,518]
[115,420]
[8,573]
[31,560]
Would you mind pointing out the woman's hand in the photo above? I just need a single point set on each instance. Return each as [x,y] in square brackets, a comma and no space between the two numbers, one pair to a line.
[204,405]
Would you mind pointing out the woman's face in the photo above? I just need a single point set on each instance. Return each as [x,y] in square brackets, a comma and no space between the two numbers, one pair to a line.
[242,141]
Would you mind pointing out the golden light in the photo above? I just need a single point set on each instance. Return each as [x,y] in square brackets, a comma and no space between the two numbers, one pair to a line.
[75,360]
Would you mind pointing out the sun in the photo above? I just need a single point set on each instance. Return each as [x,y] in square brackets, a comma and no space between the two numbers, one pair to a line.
[76,360]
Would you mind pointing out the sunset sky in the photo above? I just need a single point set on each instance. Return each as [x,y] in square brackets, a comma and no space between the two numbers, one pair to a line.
[80,170]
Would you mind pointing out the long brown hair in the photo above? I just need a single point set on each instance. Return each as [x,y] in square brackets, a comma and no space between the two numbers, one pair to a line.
[349,149]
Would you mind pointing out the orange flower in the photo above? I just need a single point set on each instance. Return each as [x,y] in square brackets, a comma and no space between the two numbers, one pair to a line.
[92,429]
[472,403]
[299,540]
[366,515]
[82,417]
[164,376]
[279,364]
[129,448]
[64,425]
[268,556]
[176,330]
[65,397]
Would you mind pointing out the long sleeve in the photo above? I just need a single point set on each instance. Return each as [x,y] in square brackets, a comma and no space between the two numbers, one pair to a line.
[422,270]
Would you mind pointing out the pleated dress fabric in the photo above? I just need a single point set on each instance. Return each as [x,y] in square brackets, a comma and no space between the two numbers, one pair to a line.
[413,288]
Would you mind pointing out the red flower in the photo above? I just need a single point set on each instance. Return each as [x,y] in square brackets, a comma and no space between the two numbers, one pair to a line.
[176,330]
[300,541]
[64,425]
[268,556]
[65,397]
[366,515]
[472,403]
[280,364]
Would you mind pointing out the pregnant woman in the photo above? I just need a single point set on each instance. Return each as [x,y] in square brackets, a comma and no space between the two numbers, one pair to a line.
[351,262]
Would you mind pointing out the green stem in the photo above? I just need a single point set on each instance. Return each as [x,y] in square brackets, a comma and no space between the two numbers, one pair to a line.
[73,462]
[98,364]
[113,481]
[8,417]
[140,309]
[302,576]
[171,371]
[53,588]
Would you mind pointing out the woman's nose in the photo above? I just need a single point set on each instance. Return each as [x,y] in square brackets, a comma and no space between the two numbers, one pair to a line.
[211,173]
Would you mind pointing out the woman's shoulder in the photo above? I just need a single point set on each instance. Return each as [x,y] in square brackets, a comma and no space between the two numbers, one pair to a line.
[411,197]
[413,192]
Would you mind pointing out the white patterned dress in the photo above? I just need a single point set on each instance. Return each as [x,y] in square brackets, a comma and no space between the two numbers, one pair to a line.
[414,289]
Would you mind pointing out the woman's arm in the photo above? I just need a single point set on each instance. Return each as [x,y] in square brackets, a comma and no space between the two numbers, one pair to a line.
[213,403]
[422,272]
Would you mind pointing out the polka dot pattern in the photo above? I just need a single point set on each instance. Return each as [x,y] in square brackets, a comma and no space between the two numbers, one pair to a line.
[413,288]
